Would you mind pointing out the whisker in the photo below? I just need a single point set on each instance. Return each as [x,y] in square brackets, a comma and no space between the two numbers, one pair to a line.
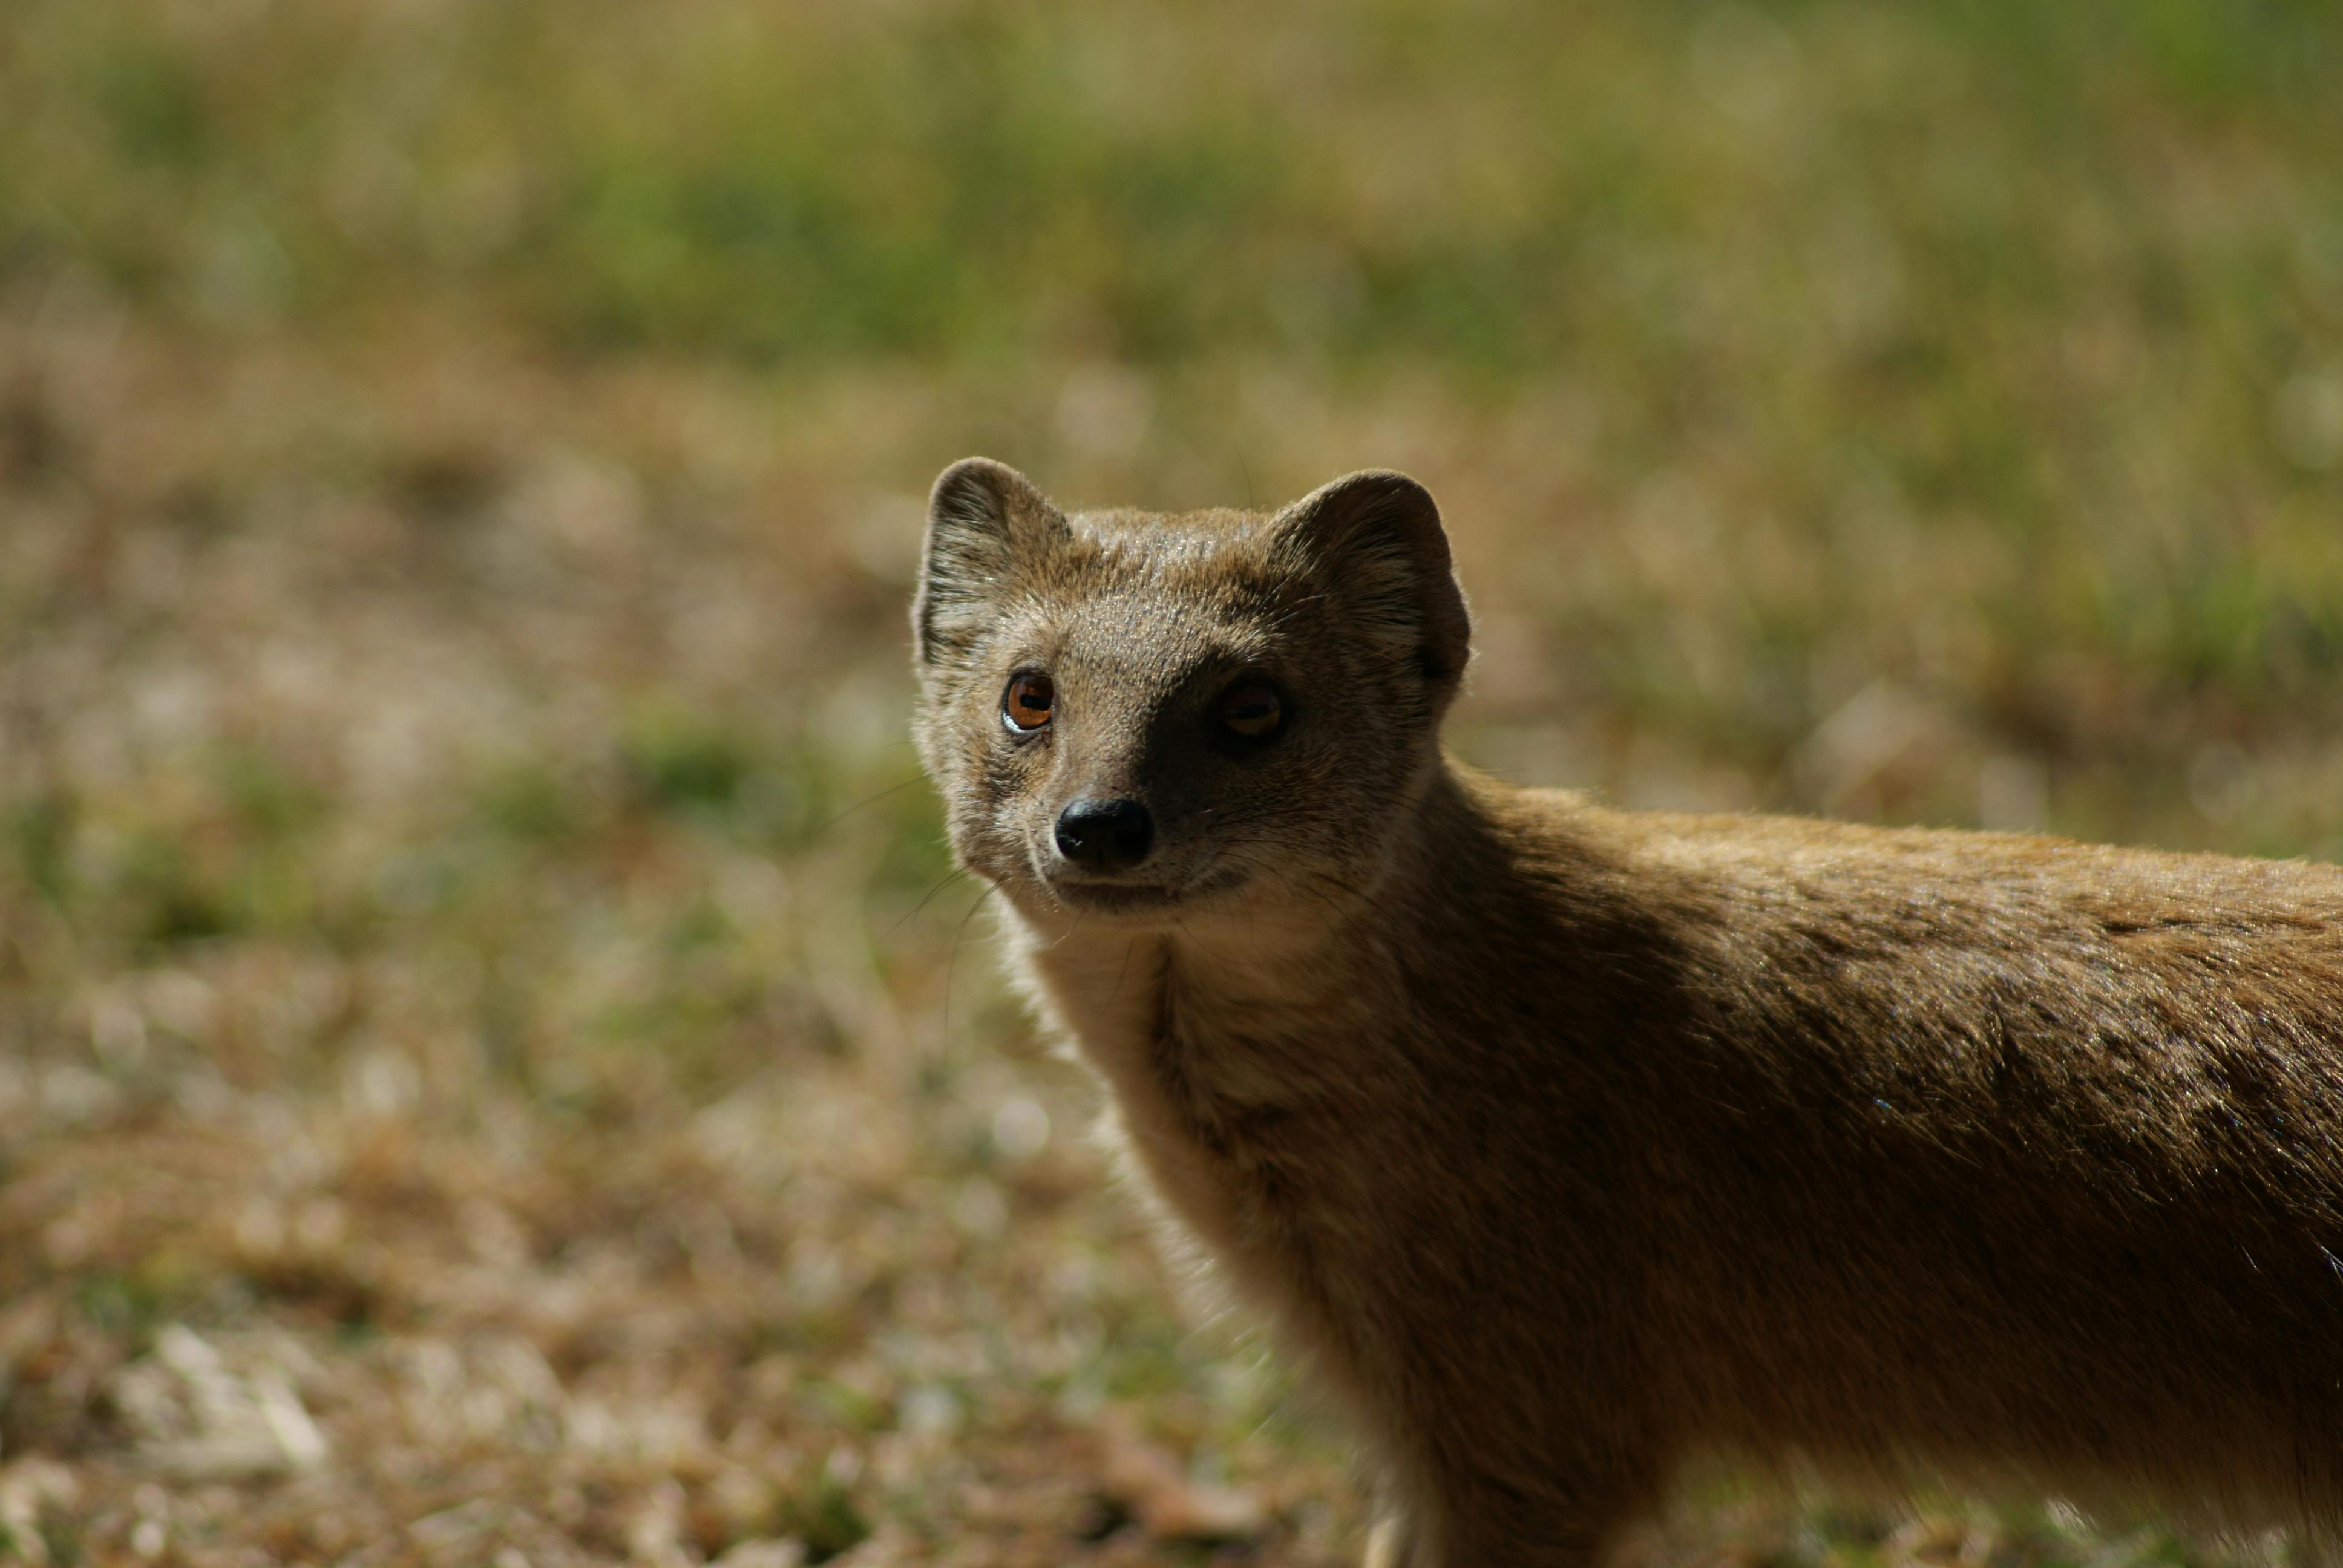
[951,877]
[1129,948]
[951,961]
[825,825]
[1300,889]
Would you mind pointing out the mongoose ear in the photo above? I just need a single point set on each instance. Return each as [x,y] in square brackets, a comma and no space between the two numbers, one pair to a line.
[1378,535]
[983,519]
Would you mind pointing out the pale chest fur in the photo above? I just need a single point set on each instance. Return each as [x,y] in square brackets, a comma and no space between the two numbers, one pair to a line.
[1232,1069]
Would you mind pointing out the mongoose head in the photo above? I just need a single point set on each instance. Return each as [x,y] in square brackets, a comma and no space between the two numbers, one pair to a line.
[1142,717]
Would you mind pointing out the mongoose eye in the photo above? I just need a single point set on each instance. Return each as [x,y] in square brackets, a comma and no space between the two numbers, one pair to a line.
[1025,706]
[1252,709]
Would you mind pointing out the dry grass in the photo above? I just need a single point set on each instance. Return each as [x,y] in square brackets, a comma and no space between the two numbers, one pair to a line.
[496,1061]
[493,1064]
[472,1083]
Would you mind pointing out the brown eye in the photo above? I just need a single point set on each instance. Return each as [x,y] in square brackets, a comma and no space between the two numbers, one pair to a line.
[1025,706]
[1252,709]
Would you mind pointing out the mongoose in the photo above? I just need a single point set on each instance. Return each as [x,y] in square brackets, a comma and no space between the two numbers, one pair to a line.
[1570,1144]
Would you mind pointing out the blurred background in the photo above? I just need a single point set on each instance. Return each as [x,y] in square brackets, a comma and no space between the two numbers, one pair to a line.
[495,1066]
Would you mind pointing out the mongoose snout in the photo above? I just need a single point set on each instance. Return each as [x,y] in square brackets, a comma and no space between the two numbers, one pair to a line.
[1568,1145]
[1112,835]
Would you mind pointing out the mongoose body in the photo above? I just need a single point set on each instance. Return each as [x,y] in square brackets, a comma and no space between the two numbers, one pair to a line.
[1569,1144]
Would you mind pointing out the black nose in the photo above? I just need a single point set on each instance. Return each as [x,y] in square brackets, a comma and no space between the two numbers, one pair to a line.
[1105,835]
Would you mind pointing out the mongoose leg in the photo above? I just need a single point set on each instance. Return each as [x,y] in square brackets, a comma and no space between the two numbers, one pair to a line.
[1497,1526]
[1392,1543]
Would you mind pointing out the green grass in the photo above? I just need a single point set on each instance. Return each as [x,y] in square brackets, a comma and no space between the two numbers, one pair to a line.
[1492,186]
[2048,293]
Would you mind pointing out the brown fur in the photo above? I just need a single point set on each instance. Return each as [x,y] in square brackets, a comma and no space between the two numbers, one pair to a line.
[1572,1144]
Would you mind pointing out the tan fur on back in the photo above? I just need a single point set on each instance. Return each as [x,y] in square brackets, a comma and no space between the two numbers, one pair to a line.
[1570,1145]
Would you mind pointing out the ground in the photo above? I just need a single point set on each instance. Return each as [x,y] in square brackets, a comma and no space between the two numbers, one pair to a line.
[495,1065]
